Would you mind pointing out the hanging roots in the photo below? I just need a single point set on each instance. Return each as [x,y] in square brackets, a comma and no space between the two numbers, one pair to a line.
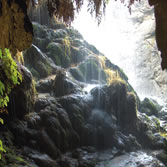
[65,9]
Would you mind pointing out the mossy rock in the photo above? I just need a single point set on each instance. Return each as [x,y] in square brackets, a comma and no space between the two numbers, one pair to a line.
[38,62]
[92,48]
[60,33]
[79,54]
[57,53]
[58,25]
[34,72]
[39,30]
[162,157]
[78,42]
[41,43]
[114,67]
[44,70]
[77,74]
[74,33]
[149,107]
[90,70]
[13,159]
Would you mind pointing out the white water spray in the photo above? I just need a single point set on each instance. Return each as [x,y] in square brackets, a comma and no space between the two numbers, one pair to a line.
[128,41]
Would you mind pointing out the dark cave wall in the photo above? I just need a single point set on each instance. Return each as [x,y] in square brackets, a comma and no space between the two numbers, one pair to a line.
[15,27]
[160,10]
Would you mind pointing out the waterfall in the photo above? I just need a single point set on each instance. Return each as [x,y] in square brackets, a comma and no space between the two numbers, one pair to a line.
[128,40]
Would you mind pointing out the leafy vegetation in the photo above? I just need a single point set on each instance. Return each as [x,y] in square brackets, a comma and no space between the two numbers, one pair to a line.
[9,78]
[67,44]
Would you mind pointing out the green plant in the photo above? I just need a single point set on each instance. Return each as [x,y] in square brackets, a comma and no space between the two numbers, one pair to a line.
[9,78]
[67,44]
[1,145]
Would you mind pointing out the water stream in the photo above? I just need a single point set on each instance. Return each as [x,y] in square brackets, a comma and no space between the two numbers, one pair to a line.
[133,159]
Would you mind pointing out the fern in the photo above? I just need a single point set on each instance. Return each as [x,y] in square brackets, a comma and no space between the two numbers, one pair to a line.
[9,78]
[1,144]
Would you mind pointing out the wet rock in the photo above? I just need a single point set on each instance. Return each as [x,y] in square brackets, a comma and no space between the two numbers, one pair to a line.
[41,43]
[77,74]
[162,156]
[92,71]
[116,100]
[59,53]
[127,143]
[58,126]
[65,161]
[63,85]
[39,30]
[23,96]
[38,63]
[99,95]
[159,142]
[114,67]
[33,120]
[43,160]
[150,107]
[99,130]
[76,117]
[41,103]
[47,146]
[18,129]
[44,86]
[78,53]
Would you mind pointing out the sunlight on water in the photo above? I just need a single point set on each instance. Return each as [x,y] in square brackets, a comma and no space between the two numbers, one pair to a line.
[89,87]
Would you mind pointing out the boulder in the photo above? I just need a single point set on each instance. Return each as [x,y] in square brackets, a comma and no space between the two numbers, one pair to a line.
[59,53]
[63,85]
[38,63]
[42,160]
[23,96]
[45,85]
[150,107]
[92,71]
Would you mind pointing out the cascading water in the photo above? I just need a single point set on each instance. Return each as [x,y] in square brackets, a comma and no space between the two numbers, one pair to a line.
[128,40]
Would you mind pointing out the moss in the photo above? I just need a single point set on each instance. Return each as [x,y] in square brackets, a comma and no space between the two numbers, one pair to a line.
[44,70]
[58,61]
[67,45]
[156,122]
[34,91]
[19,57]
[10,157]
[41,43]
[58,53]
[74,33]
[162,157]
[163,134]
[39,30]
[148,107]
[77,74]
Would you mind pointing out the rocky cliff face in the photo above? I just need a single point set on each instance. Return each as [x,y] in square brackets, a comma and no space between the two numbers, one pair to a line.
[161,28]
[83,103]
[16,28]
[66,115]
